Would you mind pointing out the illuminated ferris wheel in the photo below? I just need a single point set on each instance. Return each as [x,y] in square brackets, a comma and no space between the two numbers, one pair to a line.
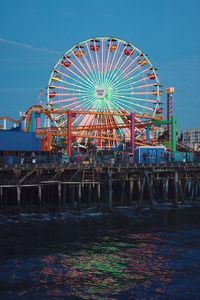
[104,74]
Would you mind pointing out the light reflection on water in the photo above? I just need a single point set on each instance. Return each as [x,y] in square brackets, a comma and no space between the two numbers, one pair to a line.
[107,267]
[56,261]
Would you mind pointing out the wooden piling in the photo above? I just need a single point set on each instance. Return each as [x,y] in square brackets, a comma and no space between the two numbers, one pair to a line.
[59,197]
[165,189]
[175,198]
[123,183]
[112,185]
[180,188]
[131,182]
[142,190]
[79,196]
[1,196]
[99,196]
[64,196]
[110,189]
[73,200]
[89,187]
[18,198]
[149,189]
[40,197]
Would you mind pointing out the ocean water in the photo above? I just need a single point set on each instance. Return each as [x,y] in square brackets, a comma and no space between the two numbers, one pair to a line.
[153,255]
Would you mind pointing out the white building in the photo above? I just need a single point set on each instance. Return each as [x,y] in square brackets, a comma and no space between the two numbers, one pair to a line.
[191,138]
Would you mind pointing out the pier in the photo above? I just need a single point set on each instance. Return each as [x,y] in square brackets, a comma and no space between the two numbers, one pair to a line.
[41,187]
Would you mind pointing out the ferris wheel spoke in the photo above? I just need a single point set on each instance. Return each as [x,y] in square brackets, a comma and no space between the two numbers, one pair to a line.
[135,104]
[85,117]
[102,58]
[107,59]
[118,103]
[133,70]
[140,73]
[81,107]
[120,56]
[61,101]
[81,64]
[116,65]
[59,87]
[90,102]
[115,53]
[117,80]
[95,79]
[78,106]
[81,84]
[81,78]
[144,93]
[126,83]
[93,64]
[97,60]
[136,87]
[68,94]
[140,80]
[76,96]
[131,63]
[117,74]
[87,120]
[139,99]
[64,107]
[126,77]
[71,99]
[143,86]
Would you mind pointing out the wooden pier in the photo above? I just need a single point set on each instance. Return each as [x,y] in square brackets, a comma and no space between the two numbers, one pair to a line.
[40,188]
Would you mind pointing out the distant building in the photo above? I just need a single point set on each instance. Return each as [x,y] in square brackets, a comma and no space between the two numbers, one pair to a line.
[191,138]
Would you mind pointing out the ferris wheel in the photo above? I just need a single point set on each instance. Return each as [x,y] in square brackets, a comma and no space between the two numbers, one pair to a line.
[104,74]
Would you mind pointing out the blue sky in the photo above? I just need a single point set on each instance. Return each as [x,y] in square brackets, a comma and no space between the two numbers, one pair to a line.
[34,34]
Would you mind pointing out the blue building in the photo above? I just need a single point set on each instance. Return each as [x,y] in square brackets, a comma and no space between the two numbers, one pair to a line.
[17,140]
[150,154]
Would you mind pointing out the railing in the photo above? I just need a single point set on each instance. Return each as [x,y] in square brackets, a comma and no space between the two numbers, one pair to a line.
[8,161]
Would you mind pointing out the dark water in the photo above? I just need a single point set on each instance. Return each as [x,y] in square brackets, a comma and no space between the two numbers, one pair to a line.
[119,256]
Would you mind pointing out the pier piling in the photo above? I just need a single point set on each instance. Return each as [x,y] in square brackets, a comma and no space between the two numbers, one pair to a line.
[77,188]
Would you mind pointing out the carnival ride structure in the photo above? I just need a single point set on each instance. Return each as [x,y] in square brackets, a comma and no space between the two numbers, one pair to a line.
[102,91]
[104,79]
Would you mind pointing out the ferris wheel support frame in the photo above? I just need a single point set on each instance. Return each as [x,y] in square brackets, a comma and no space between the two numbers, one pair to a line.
[132,118]
[170,109]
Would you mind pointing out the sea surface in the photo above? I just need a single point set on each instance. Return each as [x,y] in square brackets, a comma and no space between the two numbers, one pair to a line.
[152,255]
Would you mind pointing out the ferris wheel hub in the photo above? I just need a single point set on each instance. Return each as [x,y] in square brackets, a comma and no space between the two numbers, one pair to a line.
[100,92]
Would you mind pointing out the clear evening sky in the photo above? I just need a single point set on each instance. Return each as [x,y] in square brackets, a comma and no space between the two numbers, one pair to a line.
[34,34]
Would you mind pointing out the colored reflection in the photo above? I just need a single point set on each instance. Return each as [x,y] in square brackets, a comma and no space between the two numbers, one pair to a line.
[107,267]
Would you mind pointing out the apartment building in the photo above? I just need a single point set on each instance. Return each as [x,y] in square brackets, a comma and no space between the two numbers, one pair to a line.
[191,137]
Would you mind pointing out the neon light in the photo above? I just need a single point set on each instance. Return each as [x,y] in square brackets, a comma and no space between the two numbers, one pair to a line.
[86,81]
[97,77]
[90,68]
[79,61]
[67,76]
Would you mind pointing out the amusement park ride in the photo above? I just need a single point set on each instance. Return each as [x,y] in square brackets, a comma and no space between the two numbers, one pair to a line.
[102,91]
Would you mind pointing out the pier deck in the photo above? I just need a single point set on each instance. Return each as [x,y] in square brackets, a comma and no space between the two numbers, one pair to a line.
[41,187]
